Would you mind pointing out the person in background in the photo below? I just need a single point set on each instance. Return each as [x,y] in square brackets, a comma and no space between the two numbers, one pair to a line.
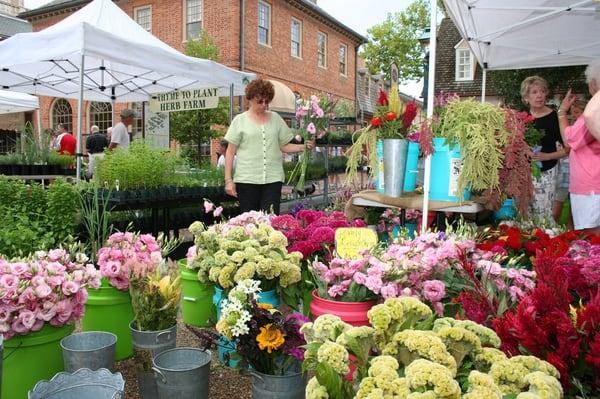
[584,158]
[221,153]
[534,90]
[258,137]
[109,133]
[120,135]
[96,143]
[64,142]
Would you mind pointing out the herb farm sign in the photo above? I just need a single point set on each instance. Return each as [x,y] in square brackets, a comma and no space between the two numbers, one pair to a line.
[185,100]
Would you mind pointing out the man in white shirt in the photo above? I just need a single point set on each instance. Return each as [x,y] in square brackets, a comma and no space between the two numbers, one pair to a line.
[120,135]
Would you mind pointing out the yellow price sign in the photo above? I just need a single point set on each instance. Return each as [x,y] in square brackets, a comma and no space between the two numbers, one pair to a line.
[349,241]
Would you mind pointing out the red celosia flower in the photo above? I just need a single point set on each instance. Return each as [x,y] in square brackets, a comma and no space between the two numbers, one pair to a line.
[382,100]
[390,116]
[513,239]
[409,114]
[593,355]
[376,121]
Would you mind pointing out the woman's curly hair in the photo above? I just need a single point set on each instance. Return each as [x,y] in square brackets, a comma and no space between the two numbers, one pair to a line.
[260,88]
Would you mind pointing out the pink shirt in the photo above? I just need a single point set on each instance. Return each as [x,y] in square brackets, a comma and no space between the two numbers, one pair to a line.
[584,159]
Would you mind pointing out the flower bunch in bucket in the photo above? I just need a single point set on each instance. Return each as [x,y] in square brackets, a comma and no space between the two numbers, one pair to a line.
[246,247]
[154,296]
[267,340]
[392,120]
[313,118]
[47,287]
[122,252]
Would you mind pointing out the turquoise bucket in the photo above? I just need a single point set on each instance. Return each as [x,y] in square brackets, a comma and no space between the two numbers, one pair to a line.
[445,169]
[507,212]
[379,185]
[412,167]
[226,346]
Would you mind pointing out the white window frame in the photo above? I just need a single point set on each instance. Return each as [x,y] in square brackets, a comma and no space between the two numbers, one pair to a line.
[185,19]
[297,21]
[345,60]
[324,35]
[136,11]
[268,28]
[460,49]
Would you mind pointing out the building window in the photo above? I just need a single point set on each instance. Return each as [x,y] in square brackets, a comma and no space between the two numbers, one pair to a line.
[193,19]
[143,16]
[343,59]
[100,115]
[296,38]
[264,23]
[138,121]
[322,49]
[62,113]
[465,62]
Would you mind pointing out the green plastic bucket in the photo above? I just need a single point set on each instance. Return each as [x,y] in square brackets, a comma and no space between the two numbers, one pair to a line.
[108,309]
[31,358]
[197,304]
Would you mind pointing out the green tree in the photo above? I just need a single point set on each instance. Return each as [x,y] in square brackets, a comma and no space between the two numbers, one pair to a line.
[397,40]
[507,84]
[196,127]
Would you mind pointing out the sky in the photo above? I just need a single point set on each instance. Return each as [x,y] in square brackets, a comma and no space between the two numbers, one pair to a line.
[359,15]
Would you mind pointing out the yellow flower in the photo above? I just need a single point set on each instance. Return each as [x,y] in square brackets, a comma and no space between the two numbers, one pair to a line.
[265,306]
[269,338]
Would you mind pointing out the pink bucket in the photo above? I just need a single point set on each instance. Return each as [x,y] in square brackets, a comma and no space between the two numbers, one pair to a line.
[354,313]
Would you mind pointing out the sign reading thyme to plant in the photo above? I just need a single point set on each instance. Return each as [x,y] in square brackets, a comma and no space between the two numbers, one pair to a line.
[349,241]
[185,100]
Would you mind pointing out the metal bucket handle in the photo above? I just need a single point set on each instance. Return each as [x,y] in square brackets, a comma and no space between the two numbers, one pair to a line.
[160,374]
[253,374]
[160,335]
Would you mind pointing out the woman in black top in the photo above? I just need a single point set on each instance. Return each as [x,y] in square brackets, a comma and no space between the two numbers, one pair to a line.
[533,93]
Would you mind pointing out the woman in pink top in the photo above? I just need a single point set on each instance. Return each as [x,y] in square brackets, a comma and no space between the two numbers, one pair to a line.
[584,158]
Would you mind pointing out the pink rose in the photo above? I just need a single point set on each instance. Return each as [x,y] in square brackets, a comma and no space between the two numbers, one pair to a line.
[21,269]
[434,290]
[18,326]
[360,278]
[27,296]
[56,254]
[389,290]
[218,211]
[47,312]
[70,287]
[208,206]
[42,291]
[64,309]
[28,318]
[9,281]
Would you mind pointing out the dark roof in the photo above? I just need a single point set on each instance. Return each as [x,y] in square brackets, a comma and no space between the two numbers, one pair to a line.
[311,6]
[445,65]
[11,25]
[54,5]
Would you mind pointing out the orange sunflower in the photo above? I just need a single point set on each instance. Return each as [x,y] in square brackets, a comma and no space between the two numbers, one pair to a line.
[270,338]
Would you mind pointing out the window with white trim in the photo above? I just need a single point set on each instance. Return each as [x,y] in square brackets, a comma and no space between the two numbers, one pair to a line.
[143,16]
[100,115]
[343,60]
[322,49]
[193,19]
[62,113]
[264,23]
[296,38]
[465,62]
[138,124]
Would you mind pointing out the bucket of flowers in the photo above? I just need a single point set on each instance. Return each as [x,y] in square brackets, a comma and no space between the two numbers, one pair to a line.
[270,345]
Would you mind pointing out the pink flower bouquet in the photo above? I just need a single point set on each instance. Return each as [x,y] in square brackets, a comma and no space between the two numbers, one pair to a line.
[49,287]
[128,253]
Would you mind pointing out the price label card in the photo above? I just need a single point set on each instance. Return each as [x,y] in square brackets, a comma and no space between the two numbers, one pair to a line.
[349,241]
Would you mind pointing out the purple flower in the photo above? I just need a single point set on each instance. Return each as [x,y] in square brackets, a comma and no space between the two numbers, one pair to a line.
[311,128]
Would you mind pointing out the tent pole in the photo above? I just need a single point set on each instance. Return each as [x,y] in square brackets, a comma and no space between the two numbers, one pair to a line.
[430,99]
[113,100]
[483,84]
[38,113]
[78,154]
[230,103]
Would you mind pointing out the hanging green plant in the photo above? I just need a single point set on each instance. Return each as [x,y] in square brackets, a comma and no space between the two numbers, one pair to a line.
[480,132]
[364,141]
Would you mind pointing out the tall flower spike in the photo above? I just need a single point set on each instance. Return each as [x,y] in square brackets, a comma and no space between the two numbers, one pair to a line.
[382,100]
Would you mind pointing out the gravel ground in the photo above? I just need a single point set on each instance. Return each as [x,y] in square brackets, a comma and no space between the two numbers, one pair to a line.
[224,383]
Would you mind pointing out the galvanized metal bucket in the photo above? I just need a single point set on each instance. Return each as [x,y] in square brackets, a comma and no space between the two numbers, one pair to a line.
[394,160]
[146,345]
[84,383]
[182,373]
[265,386]
[92,350]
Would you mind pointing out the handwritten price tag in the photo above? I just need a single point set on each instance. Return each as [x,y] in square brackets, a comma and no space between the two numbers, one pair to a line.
[349,241]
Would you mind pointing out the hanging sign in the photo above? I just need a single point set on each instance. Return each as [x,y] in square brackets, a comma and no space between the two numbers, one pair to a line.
[156,128]
[350,241]
[185,100]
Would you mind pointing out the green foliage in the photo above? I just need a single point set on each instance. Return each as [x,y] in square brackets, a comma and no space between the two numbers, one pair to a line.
[397,40]
[95,218]
[197,127]
[33,218]
[508,83]
[141,166]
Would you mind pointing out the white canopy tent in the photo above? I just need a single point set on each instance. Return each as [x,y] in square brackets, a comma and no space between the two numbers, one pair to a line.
[100,54]
[17,102]
[517,34]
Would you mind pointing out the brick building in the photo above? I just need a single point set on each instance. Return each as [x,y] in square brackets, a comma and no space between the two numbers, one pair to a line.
[291,41]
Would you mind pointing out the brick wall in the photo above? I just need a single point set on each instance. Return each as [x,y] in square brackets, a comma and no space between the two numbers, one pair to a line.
[221,20]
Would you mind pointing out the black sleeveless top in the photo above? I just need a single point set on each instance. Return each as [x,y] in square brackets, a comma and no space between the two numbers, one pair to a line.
[549,126]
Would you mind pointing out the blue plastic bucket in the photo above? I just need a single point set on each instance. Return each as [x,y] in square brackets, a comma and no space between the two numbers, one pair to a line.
[412,229]
[379,182]
[412,167]
[507,212]
[226,346]
[445,169]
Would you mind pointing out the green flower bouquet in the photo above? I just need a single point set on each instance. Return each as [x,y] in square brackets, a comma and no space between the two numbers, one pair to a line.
[416,356]
[231,252]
